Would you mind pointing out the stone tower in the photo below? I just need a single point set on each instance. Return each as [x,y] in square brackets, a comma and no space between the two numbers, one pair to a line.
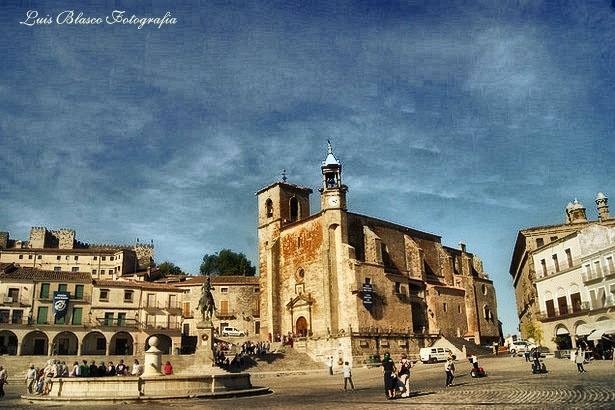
[279,204]
[602,204]
[575,212]
[333,205]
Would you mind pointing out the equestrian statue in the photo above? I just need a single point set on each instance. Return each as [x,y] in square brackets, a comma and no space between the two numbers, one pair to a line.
[206,303]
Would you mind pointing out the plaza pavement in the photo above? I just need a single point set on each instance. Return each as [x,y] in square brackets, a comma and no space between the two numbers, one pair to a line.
[509,385]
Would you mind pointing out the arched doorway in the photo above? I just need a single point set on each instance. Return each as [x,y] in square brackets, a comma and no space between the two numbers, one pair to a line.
[121,344]
[94,343]
[65,343]
[164,343]
[562,338]
[8,342]
[301,326]
[35,343]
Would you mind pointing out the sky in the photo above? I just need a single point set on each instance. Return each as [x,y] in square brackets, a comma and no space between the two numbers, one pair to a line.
[466,119]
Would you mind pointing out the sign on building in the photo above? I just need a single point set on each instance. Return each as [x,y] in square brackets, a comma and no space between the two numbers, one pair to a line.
[60,304]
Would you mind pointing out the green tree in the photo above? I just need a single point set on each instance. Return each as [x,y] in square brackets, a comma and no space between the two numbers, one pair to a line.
[227,262]
[169,268]
[533,330]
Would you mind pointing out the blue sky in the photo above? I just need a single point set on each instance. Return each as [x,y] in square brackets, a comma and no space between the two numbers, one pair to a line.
[463,119]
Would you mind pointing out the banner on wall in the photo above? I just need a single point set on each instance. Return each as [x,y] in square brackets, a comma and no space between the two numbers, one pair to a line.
[60,304]
[368,294]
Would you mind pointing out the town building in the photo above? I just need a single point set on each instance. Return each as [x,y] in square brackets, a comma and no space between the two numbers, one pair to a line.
[351,285]
[525,272]
[236,299]
[101,316]
[575,286]
[60,251]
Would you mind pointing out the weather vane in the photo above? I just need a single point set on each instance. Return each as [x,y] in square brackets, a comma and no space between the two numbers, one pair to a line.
[284,178]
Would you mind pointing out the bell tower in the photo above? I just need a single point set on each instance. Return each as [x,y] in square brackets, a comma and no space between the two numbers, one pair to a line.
[333,192]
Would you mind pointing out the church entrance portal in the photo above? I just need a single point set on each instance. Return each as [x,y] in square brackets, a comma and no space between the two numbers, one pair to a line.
[301,327]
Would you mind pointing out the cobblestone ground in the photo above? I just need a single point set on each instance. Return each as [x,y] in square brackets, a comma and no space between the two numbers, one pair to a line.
[509,384]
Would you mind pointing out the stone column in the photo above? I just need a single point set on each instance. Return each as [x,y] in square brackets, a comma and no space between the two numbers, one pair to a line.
[153,359]
[19,349]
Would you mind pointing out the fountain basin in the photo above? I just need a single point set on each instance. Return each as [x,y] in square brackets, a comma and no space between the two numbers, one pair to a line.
[121,388]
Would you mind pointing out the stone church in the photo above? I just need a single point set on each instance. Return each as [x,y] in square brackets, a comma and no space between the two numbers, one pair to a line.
[351,285]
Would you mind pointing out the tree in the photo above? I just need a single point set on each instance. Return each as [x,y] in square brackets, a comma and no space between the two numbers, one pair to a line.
[169,268]
[227,262]
[533,330]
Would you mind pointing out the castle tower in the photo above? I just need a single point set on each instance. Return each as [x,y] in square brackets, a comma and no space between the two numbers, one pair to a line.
[279,204]
[333,192]
[602,204]
[577,212]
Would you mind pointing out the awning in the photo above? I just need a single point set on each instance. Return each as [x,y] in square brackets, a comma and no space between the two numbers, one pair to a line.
[603,327]
[585,329]
[596,335]
[562,331]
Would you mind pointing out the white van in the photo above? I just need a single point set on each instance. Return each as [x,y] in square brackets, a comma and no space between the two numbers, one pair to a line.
[434,354]
[231,331]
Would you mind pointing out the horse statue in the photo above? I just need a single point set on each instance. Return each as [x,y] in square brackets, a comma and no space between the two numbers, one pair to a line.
[206,303]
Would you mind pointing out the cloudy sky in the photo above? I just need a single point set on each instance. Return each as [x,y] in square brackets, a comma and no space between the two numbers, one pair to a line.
[462,119]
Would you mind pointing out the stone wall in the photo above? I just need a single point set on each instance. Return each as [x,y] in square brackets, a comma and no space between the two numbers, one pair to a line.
[4,240]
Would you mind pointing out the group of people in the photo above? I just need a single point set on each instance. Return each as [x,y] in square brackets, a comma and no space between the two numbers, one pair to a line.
[242,356]
[258,348]
[40,380]
[396,381]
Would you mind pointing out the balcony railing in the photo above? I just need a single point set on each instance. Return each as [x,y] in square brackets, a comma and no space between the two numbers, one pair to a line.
[556,314]
[221,314]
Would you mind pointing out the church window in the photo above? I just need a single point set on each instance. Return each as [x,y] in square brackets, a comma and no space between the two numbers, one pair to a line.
[298,242]
[458,308]
[397,287]
[300,275]
[269,208]
[539,242]
[58,257]
[484,289]
[223,290]
[486,312]
[294,209]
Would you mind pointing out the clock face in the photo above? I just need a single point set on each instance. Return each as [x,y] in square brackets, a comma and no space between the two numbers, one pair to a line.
[333,201]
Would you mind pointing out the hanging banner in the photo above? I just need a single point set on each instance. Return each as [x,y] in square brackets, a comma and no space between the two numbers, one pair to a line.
[60,304]
[368,291]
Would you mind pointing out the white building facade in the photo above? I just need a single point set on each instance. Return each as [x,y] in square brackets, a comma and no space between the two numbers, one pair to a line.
[575,285]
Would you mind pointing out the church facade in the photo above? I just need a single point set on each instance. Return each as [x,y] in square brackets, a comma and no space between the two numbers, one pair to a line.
[351,285]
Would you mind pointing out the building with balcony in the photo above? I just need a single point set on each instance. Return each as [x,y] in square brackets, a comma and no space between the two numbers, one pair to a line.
[575,286]
[525,269]
[103,317]
[237,303]
[60,251]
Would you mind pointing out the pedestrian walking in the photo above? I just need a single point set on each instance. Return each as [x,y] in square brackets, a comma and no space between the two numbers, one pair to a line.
[404,374]
[449,369]
[579,359]
[3,380]
[330,365]
[347,376]
[390,378]
[31,379]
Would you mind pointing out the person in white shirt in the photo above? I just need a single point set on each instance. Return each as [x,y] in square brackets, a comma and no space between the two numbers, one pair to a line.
[31,379]
[347,371]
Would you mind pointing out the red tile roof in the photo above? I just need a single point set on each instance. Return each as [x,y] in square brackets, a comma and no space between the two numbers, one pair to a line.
[135,285]
[220,280]
[33,274]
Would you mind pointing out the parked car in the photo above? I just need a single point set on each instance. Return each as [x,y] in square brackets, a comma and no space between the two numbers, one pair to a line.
[231,331]
[434,354]
[520,347]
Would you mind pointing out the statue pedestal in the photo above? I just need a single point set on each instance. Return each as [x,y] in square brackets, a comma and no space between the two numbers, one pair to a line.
[152,364]
[205,345]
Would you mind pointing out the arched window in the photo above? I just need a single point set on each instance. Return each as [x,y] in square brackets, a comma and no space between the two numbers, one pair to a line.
[294,209]
[269,208]
[300,275]
[487,312]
